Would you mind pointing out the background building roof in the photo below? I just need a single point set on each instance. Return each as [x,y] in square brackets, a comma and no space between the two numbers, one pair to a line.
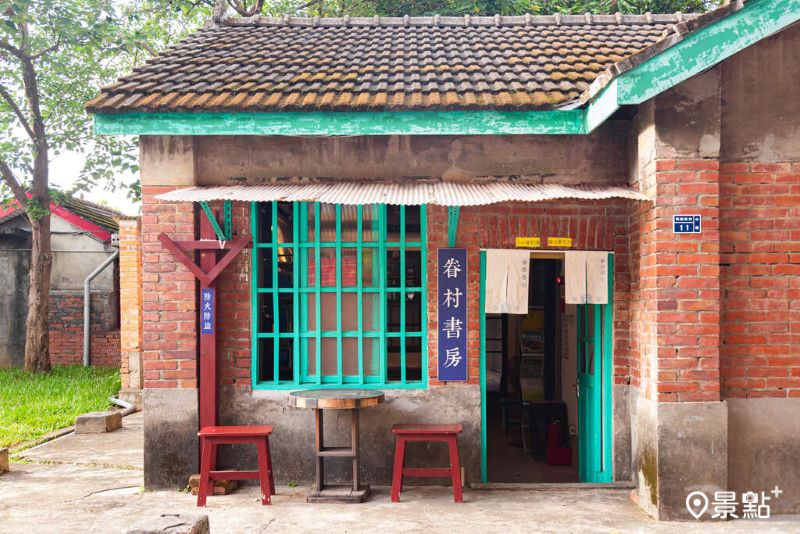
[411,63]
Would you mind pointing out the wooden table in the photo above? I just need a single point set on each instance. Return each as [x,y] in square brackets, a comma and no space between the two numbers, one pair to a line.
[336,399]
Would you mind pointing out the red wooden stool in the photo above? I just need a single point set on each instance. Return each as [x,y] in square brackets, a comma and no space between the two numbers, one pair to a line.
[406,433]
[211,436]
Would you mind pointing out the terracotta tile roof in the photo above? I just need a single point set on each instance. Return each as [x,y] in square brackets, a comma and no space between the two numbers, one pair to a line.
[417,63]
[102,216]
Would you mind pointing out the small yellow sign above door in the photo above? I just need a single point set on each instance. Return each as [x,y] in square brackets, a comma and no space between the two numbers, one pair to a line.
[560,242]
[528,242]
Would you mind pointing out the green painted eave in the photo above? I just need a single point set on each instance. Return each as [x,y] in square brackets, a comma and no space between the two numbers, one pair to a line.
[695,52]
[343,123]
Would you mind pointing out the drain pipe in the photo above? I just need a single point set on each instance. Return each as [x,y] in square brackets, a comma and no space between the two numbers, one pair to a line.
[87,286]
[127,407]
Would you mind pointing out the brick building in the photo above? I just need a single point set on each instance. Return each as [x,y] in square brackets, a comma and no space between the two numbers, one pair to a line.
[361,148]
[81,240]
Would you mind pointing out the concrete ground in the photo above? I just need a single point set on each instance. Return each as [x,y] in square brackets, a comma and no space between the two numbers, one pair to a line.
[93,485]
[122,448]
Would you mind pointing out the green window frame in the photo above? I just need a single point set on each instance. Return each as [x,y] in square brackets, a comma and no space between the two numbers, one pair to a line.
[290,286]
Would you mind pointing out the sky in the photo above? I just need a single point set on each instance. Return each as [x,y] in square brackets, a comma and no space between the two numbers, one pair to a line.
[64,171]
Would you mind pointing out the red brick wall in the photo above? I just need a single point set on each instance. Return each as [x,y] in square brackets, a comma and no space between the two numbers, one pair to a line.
[66,331]
[593,226]
[233,307]
[675,286]
[760,271]
[130,304]
[601,225]
[169,300]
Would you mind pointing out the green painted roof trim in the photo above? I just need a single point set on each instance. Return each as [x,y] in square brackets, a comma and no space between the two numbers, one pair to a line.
[696,52]
[692,55]
[343,123]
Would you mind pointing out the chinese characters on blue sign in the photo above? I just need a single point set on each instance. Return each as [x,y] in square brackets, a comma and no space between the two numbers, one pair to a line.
[452,295]
[686,224]
[206,310]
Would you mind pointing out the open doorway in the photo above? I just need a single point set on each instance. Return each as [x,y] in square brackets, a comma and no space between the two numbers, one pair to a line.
[546,379]
[531,399]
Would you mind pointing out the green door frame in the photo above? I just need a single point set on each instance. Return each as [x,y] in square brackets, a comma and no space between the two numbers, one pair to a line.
[604,473]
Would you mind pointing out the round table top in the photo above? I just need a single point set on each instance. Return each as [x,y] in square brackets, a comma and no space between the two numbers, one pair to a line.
[336,399]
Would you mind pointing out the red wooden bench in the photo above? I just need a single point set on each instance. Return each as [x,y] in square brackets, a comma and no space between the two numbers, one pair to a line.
[406,433]
[211,436]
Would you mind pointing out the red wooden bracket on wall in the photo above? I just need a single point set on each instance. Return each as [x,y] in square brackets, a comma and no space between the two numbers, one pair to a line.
[206,272]
[180,250]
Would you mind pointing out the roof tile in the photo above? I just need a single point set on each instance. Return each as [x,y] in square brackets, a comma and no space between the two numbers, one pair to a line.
[530,62]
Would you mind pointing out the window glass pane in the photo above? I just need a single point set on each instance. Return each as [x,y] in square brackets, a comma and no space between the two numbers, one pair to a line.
[393,317]
[372,350]
[285,219]
[350,356]
[393,358]
[412,223]
[327,264]
[370,274]
[393,267]
[285,268]
[393,223]
[328,301]
[349,267]
[413,312]
[329,364]
[264,267]
[265,222]
[350,311]
[266,313]
[309,352]
[327,311]
[413,268]
[349,224]
[413,359]
[286,360]
[370,312]
[286,311]
[369,224]
[413,316]
[327,222]
[266,360]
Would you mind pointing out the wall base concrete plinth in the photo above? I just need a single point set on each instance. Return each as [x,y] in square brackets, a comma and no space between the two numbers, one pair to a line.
[681,447]
[763,450]
[170,437]
[292,442]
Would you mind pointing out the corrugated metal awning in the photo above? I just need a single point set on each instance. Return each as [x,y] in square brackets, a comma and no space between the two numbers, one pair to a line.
[438,193]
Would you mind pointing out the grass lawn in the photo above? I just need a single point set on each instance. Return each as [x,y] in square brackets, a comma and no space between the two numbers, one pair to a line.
[34,404]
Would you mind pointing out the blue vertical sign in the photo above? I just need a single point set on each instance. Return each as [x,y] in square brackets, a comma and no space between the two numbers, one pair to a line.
[206,310]
[452,304]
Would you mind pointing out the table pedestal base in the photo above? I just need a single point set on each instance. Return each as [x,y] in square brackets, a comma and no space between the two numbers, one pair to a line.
[339,494]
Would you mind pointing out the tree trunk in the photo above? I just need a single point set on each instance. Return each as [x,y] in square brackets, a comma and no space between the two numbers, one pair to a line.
[37,335]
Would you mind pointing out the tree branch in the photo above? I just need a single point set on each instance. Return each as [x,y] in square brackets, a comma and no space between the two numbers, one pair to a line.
[8,47]
[13,184]
[47,50]
[241,7]
[307,4]
[18,112]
